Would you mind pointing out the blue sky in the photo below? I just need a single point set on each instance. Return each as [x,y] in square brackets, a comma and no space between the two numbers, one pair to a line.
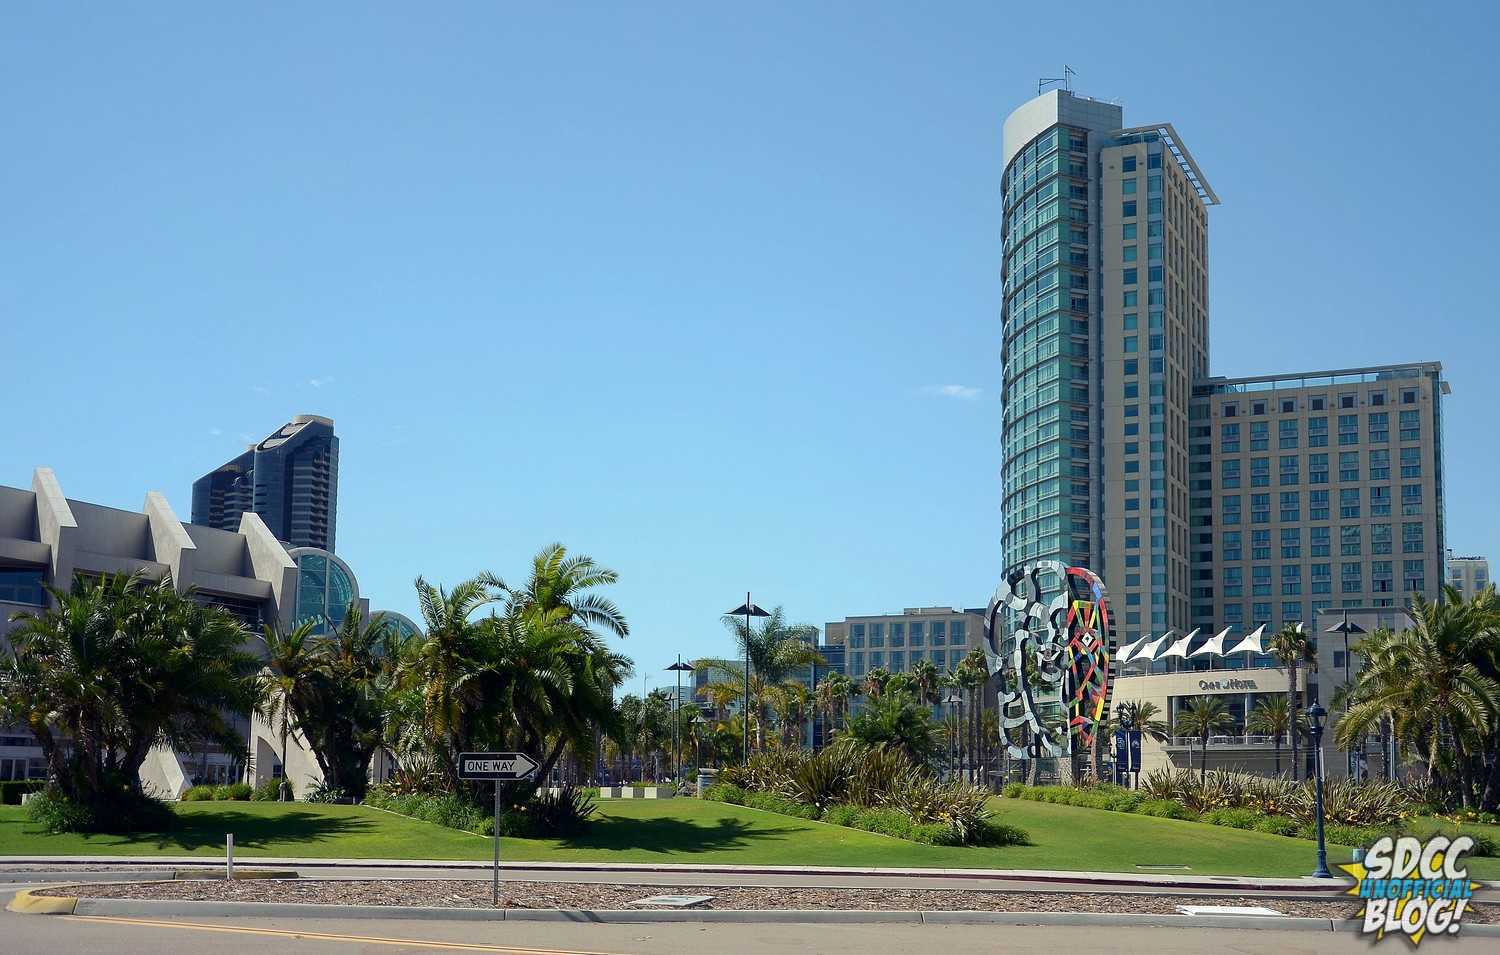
[682,288]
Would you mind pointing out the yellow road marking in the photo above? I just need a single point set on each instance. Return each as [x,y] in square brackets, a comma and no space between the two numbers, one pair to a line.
[330,936]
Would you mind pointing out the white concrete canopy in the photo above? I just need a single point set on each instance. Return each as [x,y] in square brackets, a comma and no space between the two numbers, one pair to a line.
[1214,647]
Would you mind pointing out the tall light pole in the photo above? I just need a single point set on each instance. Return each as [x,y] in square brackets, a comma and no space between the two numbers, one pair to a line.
[1315,714]
[954,701]
[749,610]
[1346,628]
[679,668]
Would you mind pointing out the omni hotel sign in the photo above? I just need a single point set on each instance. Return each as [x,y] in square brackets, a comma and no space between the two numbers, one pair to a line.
[1226,685]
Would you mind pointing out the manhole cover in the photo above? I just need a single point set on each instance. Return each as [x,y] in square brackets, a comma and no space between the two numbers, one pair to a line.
[674,901]
[1226,910]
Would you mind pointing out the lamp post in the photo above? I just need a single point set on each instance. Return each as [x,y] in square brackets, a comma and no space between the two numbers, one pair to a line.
[679,668]
[749,610]
[1346,628]
[1315,714]
[698,723]
[954,701]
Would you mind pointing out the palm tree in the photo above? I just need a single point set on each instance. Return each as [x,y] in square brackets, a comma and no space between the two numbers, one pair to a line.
[1431,682]
[1140,715]
[775,649]
[1292,648]
[443,664]
[832,698]
[928,681]
[288,657]
[900,721]
[1201,717]
[558,583]
[1272,717]
[874,682]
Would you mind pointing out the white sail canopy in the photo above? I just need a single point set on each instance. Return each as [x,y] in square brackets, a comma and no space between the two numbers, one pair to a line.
[1179,649]
[1149,651]
[1214,647]
[1123,654]
[1252,642]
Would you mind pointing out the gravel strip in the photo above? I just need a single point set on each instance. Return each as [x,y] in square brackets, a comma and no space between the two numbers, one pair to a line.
[574,895]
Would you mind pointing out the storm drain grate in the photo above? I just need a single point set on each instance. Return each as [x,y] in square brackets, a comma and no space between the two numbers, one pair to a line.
[674,901]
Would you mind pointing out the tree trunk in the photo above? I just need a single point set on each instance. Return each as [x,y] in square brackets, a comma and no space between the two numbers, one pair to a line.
[1203,761]
[1294,703]
[1276,749]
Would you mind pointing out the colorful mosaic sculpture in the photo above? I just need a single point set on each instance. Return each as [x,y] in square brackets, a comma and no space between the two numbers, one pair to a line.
[1053,669]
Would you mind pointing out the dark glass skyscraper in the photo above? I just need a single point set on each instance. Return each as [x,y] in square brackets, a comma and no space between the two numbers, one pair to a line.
[291,479]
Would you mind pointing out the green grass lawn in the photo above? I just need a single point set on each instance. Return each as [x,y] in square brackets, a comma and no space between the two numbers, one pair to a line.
[687,830]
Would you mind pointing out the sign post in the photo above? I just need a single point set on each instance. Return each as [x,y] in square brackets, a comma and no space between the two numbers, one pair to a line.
[498,768]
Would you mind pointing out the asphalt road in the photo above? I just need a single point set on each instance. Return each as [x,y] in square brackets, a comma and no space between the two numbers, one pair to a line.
[26,934]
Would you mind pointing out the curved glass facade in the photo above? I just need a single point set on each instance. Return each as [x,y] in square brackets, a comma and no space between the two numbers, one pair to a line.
[1045,316]
[325,587]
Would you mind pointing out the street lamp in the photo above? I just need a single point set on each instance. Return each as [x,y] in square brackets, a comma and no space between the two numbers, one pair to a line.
[1315,714]
[954,701]
[679,668]
[749,610]
[1346,628]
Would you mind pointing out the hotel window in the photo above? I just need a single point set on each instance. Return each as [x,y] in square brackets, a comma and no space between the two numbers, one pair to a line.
[956,632]
[1380,428]
[1232,546]
[1317,505]
[1317,432]
[1291,543]
[1129,277]
[1381,581]
[1287,431]
[877,634]
[1229,472]
[1348,502]
[877,659]
[1130,253]
[1260,508]
[1411,500]
[1377,398]
[1349,540]
[1129,231]
[1380,501]
[856,635]
[1127,208]
[898,634]
[1128,187]
[1348,429]
[1260,545]
[1229,438]
[1414,573]
[1234,582]
[1349,580]
[916,636]
[939,632]
[1380,538]
[1231,508]
[1127,164]
[1409,396]
[1260,436]
[1291,507]
[1289,472]
[1411,462]
[1153,161]
[1411,538]
[1380,465]
[1346,401]
[1322,578]
[1260,581]
[1348,465]
[1291,580]
[1318,539]
[1318,403]
[1260,472]
[1411,426]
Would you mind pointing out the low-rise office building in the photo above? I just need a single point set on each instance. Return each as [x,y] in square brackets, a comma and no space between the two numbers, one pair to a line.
[50,540]
[897,642]
[1468,575]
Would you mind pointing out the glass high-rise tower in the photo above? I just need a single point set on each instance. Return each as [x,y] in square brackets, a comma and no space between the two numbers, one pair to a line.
[291,479]
[1105,317]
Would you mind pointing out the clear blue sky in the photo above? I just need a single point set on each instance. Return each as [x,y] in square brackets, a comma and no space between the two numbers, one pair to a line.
[678,287]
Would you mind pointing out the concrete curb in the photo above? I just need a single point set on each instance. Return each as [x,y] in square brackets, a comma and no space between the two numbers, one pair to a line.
[27,903]
[142,875]
[999,875]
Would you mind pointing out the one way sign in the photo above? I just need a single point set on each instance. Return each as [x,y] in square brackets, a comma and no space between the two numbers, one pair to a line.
[501,766]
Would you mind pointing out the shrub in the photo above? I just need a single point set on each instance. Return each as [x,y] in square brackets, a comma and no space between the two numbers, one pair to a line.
[11,791]
[269,790]
[325,793]
[198,794]
[1233,818]
[122,811]
[1163,809]
[770,802]
[233,791]
[1000,834]
[841,815]
[725,792]
[1013,790]
[1276,825]
[565,812]
[1343,835]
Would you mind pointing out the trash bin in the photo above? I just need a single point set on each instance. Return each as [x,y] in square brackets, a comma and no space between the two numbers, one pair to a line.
[706,778]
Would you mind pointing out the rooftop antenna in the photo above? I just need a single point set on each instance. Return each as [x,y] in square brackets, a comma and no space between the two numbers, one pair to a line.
[1066,80]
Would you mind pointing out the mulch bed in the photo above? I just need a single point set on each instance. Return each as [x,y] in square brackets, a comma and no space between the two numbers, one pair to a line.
[587,895]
